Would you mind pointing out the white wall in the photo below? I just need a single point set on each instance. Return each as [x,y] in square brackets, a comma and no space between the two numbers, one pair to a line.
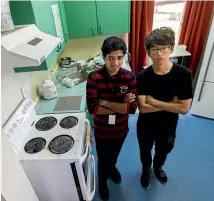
[11,96]
[82,48]
[11,84]
[15,184]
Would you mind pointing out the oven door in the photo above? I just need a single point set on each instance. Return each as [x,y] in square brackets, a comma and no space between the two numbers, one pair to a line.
[91,179]
[86,174]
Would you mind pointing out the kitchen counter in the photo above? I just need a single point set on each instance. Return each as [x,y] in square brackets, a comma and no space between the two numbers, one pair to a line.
[47,106]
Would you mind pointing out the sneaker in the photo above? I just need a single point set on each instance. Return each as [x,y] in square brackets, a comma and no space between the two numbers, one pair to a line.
[161,175]
[115,176]
[103,190]
[145,178]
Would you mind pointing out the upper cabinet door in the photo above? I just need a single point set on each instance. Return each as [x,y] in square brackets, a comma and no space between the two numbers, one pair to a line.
[113,17]
[22,12]
[63,21]
[44,16]
[81,18]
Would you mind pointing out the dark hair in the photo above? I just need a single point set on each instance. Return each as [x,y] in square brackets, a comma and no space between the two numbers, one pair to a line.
[160,36]
[113,43]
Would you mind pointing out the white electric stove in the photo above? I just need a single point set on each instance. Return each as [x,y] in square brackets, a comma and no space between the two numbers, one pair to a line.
[53,151]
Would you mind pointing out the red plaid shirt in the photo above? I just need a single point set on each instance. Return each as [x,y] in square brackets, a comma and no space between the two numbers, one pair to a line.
[100,85]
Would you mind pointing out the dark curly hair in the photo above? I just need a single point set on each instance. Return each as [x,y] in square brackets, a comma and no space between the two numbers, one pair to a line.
[160,36]
[113,43]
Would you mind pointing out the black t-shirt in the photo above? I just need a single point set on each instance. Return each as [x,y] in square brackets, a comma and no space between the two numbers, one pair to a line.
[177,82]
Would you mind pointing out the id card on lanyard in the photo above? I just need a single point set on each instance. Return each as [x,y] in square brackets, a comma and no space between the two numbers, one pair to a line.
[111,119]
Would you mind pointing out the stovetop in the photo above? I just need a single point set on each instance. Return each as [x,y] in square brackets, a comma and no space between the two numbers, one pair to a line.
[36,136]
[63,133]
[61,144]
[69,122]
[46,123]
[35,145]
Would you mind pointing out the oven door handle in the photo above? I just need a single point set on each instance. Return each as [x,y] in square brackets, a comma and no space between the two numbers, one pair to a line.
[84,156]
[80,173]
[90,194]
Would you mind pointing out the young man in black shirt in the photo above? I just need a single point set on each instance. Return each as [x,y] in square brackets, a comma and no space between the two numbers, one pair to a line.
[164,91]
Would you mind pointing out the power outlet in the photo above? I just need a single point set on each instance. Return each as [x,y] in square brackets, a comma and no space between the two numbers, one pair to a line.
[25,91]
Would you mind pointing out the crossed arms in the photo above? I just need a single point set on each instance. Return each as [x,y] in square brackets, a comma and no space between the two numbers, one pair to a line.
[148,104]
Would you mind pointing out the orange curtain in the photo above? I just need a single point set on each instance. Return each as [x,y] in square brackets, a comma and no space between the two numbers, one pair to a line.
[142,13]
[196,19]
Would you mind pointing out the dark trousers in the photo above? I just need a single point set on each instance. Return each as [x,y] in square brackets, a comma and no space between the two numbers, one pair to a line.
[107,152]
[163,145]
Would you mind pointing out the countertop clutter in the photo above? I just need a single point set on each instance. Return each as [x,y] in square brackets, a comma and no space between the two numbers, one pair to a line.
[71,86]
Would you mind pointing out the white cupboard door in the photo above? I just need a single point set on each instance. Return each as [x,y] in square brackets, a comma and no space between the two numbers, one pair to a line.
[207,65]
[204,105]
[15,184]
[207,72]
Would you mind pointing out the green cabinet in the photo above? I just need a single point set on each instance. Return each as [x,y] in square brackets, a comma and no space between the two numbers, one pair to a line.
[39,13]
[22,12]
[96,18]
[113,17]
[81,18]
[63,21]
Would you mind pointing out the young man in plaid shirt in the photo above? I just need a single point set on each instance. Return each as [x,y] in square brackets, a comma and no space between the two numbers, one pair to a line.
[111,97]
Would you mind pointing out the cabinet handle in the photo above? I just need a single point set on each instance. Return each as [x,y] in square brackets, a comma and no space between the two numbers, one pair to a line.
[93,30]
[205,75]
[101,29]
[58,48]
[66,36]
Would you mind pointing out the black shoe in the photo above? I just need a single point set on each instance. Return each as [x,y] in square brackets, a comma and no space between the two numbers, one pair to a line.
[103,190]
[145,178]
[161,175]
[115,176]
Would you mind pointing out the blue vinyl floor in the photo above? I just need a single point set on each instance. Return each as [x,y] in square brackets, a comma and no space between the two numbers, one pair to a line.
[190,166]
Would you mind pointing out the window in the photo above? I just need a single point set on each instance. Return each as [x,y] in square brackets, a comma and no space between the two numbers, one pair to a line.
[168,13]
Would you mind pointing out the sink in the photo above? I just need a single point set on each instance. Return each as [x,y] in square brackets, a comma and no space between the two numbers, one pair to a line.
[78,76]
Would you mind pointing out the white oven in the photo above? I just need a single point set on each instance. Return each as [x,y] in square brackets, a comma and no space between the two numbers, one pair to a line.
[55,153]
[85,175]
[62,180]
